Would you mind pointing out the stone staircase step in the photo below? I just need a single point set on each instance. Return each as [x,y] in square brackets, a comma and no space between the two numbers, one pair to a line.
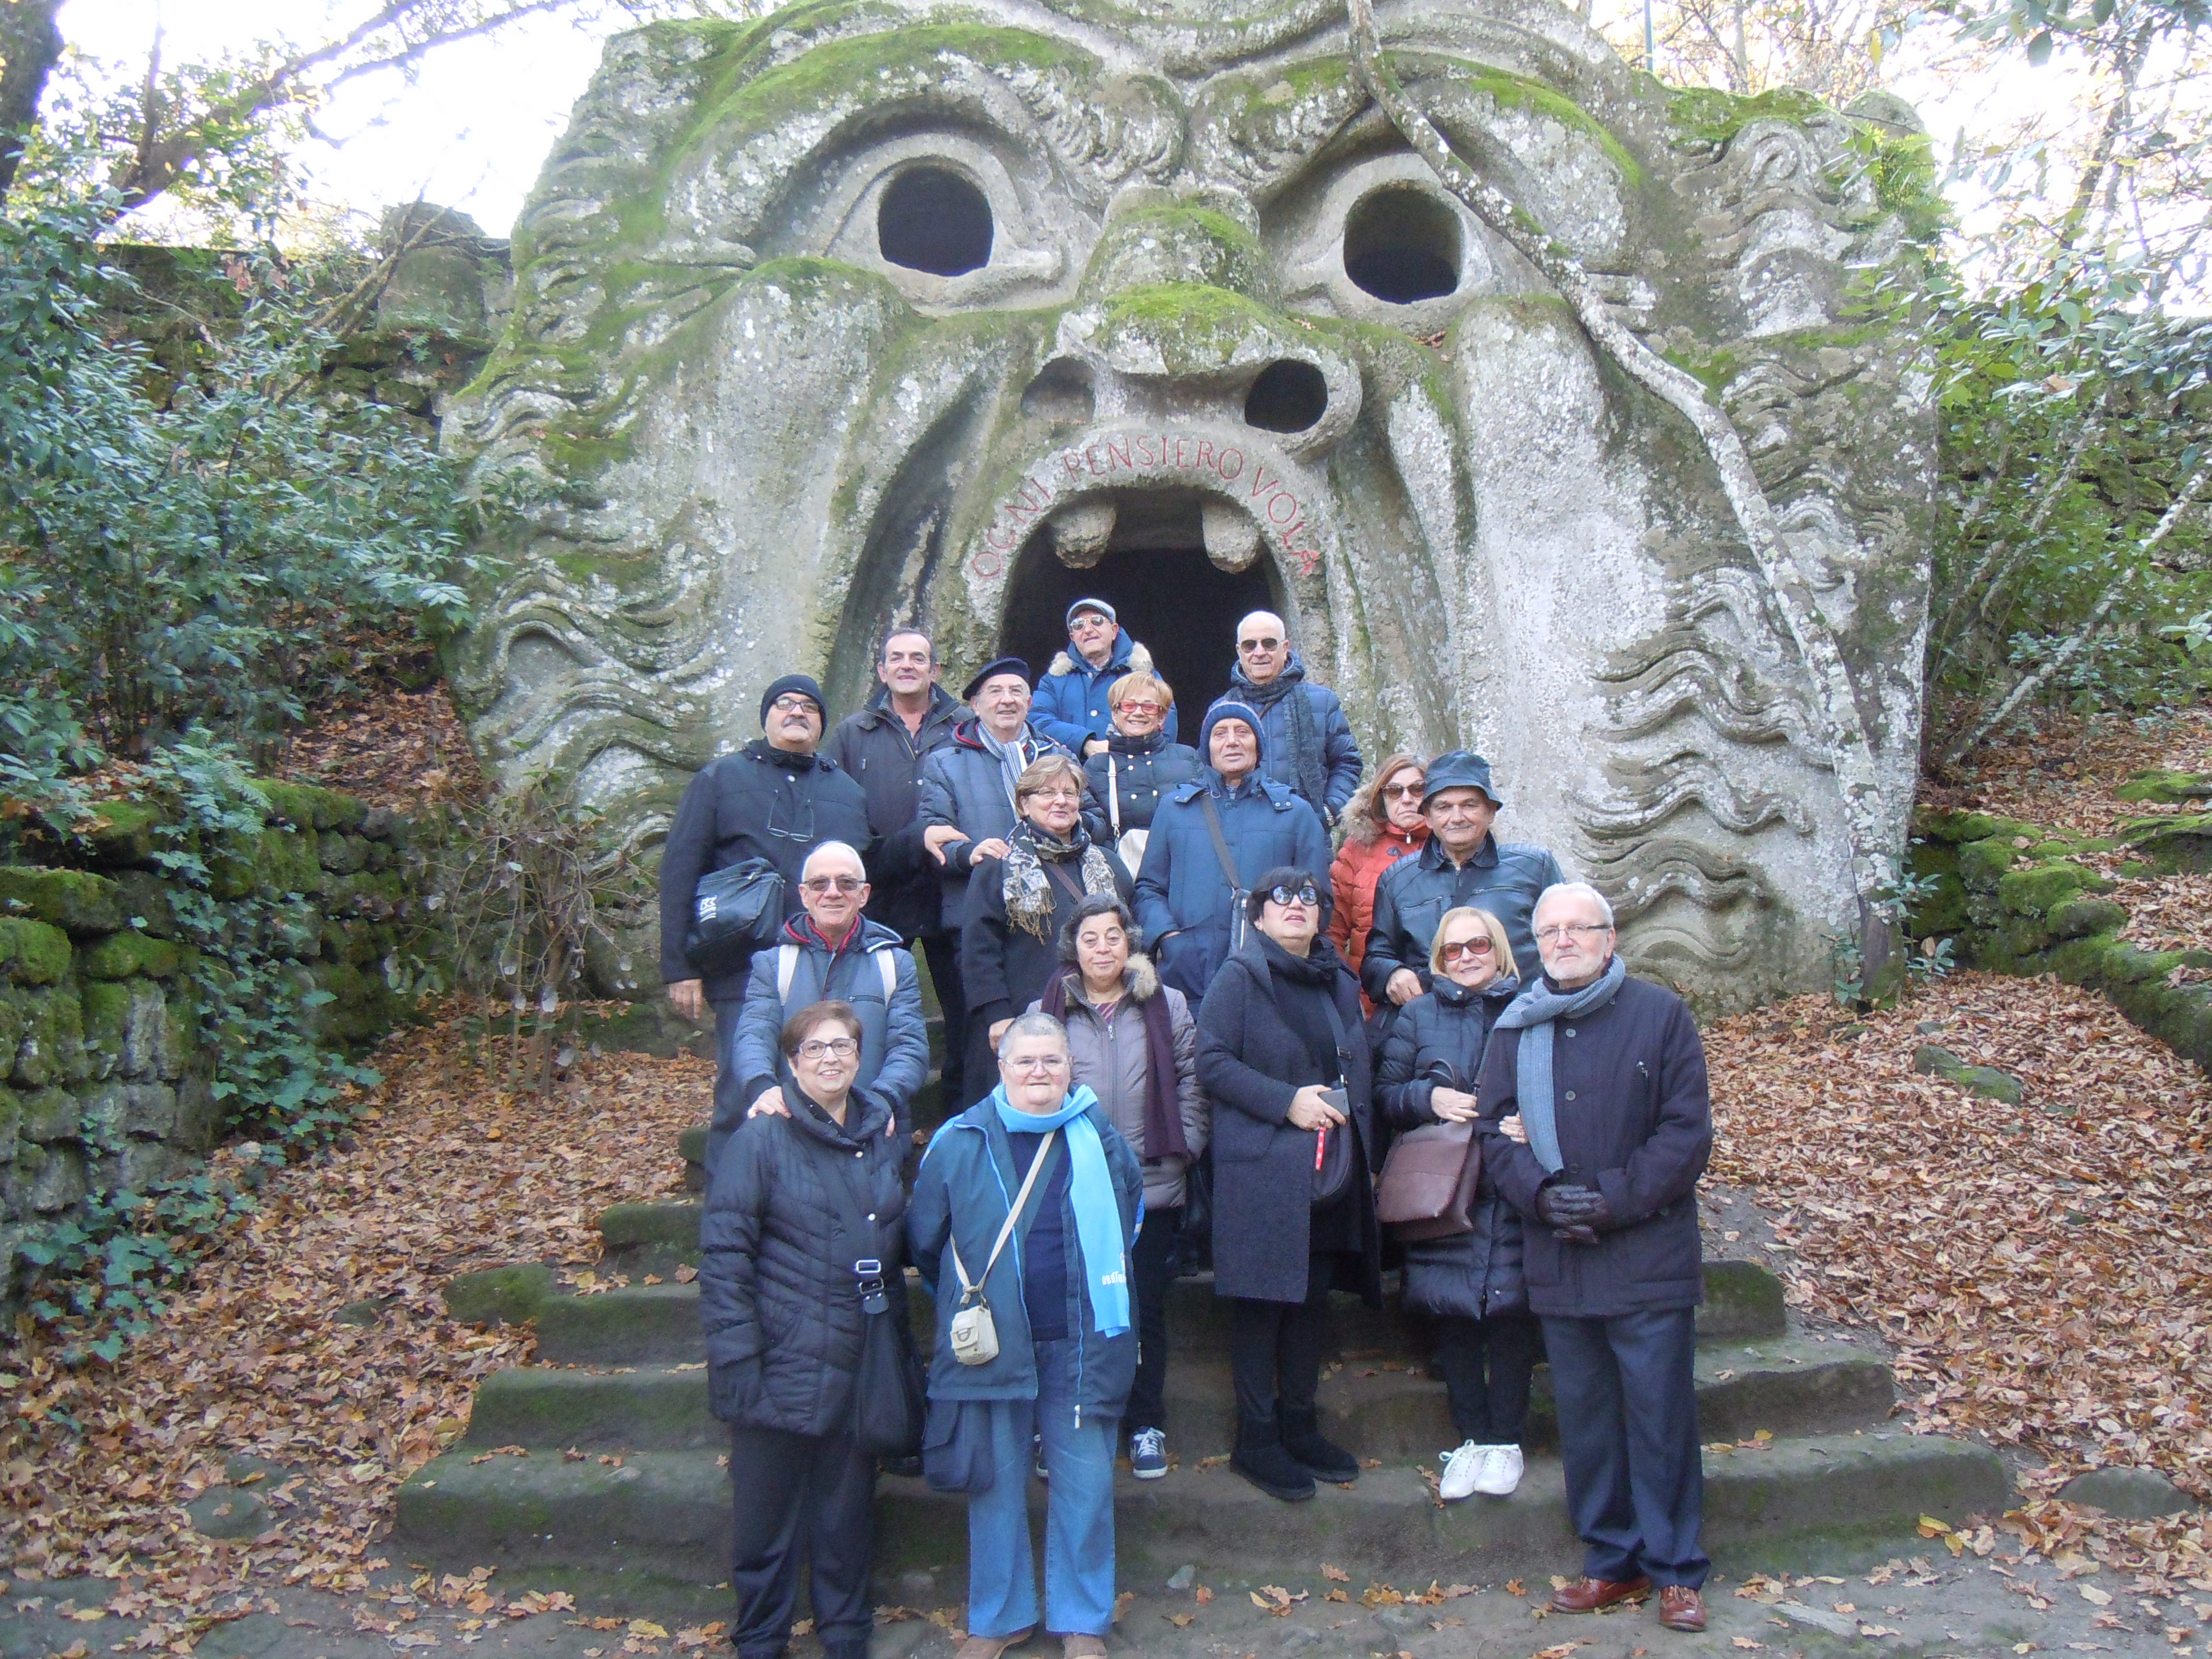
[1809,1503]
[1782,1386]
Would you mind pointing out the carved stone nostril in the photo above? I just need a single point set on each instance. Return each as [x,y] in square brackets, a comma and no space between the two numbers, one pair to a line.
[1061,393]
[1080,533]
[1289,396]
[1233,539]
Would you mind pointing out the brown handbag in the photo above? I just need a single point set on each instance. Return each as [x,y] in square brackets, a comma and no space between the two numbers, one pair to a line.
[1429,1180]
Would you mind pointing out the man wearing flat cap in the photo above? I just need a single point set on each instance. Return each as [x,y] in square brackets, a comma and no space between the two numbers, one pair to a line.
[1071,699]
[968,811]
[775,799]
[1462,864]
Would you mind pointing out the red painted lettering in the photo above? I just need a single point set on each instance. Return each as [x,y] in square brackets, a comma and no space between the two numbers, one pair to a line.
[1261,481]
[1287,502]
[1204,455]
[1228,472]
[1146,457]
[1090,459]
[1072,462]
[986,564]
[1120,458]
[1179,460]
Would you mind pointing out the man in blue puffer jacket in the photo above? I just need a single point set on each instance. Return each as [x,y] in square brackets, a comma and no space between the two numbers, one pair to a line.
[1071,699]
[1310,747]
[1184,897]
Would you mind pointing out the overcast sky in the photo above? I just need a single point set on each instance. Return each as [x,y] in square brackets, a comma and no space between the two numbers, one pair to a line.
[472,130]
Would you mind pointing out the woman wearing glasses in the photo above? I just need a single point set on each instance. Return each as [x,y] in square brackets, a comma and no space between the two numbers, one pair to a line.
[1278,1035]
[1140,765]
[1031,1196]
[797,1200]
[1382,824]
[1016,905]
[1470,1282]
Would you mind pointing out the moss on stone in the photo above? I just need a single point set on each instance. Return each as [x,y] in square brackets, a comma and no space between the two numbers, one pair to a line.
[76,901]
[1982,863]
[33,952]
[1139,246]
[122,832]
[304,806]
[2167,788]
[1195,328]
[503,1294]
[121,955]
[2033,892]
[1714,116]
[1519,92]
[106,1008]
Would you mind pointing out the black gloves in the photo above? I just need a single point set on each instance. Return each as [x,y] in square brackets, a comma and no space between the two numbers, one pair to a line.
[1574,1213]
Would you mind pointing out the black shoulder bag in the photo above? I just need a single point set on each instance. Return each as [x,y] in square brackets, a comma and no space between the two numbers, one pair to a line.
[1332,1146]
[734,912]
[890,1394]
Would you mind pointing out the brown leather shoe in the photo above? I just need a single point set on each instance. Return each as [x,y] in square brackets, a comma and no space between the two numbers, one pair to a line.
[1589,1594]
[1681,1608]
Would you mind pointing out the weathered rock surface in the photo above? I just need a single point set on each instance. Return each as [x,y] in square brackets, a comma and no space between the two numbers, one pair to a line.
[2130,1494]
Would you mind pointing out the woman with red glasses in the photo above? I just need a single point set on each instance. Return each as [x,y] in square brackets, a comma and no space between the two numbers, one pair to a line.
[1383,823]
[1125,782]
[1470,1282]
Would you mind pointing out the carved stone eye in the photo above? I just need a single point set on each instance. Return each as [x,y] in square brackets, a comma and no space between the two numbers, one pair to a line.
[1401,245]
[932,220]
[1288,396]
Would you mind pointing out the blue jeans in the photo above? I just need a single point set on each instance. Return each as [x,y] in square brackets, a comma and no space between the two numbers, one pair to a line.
[1078,1528]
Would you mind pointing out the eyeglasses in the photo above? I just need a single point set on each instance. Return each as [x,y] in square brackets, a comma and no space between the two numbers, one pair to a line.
[1131,706]
[1053,794]
[1088,622]
[1478,946]
[817,1048]
[1308,894]
[1404,791]
[833,883]
[791,703]
[1026,1063]
[1580,929]
[1248,646]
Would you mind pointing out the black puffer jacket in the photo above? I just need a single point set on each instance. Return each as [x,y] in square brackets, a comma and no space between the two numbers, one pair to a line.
[876,750]
[1473,1275]
[1137,773]
[796,1201]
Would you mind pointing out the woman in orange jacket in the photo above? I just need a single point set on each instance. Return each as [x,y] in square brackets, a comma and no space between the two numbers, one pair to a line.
[1383,823]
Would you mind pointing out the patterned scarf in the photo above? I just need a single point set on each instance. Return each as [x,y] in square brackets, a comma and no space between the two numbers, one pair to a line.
[1029,890]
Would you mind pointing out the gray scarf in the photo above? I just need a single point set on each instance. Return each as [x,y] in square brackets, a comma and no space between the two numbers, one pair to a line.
[1532,1014]
[1311,777]
[1014,758]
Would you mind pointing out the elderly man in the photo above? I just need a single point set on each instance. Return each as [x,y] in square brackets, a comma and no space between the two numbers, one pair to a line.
[1185,900]
[1608,1077]
[1071,699]
[772,799]
[1310,747]
[1462,864]
[884,746]
[829,951]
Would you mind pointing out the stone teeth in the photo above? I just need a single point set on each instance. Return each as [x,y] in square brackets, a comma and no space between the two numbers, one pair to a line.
[1079,533]
[1233,539]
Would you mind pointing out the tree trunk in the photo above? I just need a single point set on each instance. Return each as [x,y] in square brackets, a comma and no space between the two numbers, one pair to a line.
[30,44]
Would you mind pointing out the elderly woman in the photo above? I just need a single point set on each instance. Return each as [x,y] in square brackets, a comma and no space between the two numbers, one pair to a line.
[1470,1282]
[1383,823]
[1039,1158]
[800,1196]
[1278,1033]
[1133,1041]
[1140,764]
[1016,905]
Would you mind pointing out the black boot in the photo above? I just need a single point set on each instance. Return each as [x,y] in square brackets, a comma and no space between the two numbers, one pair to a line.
[1323,1458]
[1261,1458]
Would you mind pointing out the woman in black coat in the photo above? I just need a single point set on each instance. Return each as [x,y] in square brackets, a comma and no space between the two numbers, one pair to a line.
[1470,1282]
[1016,905]
[1127,783]
[1268,1047]
[799,1197]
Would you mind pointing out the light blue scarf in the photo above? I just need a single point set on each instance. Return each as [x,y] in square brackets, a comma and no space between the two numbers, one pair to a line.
[1532,1014]
[1097,1211]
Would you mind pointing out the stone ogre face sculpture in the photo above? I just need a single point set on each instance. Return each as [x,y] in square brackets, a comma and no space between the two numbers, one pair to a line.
[873,313]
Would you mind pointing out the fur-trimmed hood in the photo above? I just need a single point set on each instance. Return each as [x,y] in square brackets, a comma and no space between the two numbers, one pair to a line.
[1140,978]
[1128,658]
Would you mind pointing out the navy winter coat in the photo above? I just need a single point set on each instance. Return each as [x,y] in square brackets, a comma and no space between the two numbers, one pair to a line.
[963,785]
[757,803]
[794,1202]
[885,759]
[1183,898]
[1503,878]
[1340,764]
[1070,705]
[963,1192]
[894,1039]
[1473,1274]
[1251,1063]
[1635,1123]
[1137,772]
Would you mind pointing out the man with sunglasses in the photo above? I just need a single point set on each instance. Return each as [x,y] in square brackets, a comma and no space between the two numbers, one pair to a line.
[1310,747]
[775,799]
[830,953]
[1071,708]
[1462,864]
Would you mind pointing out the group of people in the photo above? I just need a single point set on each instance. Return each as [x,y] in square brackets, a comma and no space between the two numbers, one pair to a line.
[1159,982]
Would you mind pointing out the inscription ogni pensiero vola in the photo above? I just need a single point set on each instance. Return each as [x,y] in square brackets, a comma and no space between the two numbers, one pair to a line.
[851,315]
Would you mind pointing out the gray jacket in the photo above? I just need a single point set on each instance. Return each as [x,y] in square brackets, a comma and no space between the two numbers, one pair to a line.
[963,785]
[1112,1058]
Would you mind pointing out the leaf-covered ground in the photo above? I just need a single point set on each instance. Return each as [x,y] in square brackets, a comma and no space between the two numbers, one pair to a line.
[2064,771]
[446,1173]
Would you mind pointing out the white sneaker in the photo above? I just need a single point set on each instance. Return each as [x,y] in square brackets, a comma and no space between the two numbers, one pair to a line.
[1501,1471]
[1462,1470]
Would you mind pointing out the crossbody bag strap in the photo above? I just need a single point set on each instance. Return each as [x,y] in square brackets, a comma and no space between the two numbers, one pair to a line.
[968,1287]
[1343,1038]
[1220,841]
[1114,796]
[1068,884]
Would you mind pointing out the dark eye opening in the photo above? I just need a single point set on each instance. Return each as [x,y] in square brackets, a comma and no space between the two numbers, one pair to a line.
[1401,245]
[932,220]
[1289,396]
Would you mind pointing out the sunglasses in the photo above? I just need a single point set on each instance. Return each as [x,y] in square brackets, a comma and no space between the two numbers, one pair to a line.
[1468,947]
[1403,791]
[1249,645]
[1129,707]
[1308,894]
[833,883]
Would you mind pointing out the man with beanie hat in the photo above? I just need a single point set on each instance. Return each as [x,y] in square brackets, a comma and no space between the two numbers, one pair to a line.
[1185,897]
[1462,864]
[1071,699]
[775,799]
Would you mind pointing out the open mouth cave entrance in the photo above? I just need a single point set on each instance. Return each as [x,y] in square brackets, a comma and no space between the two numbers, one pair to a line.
[1170,597]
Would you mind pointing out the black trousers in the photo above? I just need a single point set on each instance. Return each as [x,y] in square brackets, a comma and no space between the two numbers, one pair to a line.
[1152,1263]
[1628,1436]
[794,1492]
[1490,1409]
[943,952]
[1275,1348]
